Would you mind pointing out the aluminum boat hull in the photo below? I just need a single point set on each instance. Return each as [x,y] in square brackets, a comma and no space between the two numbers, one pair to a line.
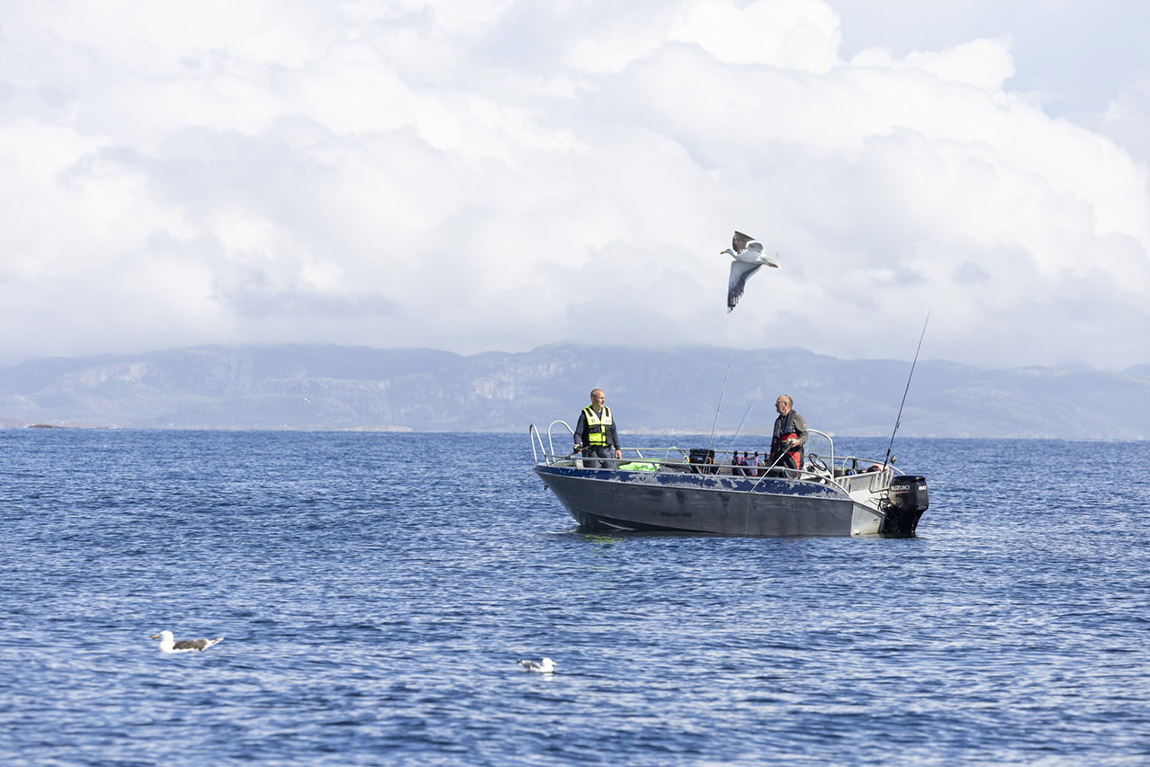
[701,503]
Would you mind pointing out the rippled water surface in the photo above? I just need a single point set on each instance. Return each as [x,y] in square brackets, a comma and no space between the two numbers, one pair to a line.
[375,591]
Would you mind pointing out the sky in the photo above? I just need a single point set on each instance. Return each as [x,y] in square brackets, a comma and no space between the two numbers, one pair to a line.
[476,175]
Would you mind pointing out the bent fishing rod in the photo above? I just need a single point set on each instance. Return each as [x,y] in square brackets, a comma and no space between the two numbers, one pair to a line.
[898,420]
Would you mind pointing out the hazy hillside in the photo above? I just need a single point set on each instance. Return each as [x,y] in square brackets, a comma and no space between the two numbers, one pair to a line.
[334,387]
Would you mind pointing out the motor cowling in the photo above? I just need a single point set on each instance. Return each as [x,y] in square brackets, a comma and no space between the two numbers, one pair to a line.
[907,499]
[909,493]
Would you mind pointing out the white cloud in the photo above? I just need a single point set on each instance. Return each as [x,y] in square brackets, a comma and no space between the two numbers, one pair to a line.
[499,175]
[790,34]
[983,64]
[1127,117]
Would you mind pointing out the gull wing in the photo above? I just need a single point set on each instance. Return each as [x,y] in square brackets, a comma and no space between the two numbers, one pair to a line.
[195,644]
[740,273]
[190,644]
[741,242]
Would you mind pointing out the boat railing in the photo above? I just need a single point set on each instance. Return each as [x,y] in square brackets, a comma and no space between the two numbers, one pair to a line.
[547,452]
[823,467]
[821,461]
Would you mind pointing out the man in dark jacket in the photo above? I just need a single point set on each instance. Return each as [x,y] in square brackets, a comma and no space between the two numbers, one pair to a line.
[789,436]
[595,434]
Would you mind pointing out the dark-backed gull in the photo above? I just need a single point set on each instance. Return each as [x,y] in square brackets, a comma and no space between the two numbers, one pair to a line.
[545,666]
[749,256]
[168,643]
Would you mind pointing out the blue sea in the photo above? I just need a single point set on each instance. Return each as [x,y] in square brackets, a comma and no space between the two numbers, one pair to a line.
[375,591]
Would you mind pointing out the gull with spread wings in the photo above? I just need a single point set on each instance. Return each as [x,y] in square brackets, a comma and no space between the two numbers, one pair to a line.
[749,256]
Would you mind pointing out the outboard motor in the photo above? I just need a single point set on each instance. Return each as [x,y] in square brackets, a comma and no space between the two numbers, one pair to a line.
[907,499]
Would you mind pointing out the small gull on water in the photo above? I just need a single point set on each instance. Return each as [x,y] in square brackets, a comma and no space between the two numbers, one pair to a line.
[545,666]
[168,643]
[749,256]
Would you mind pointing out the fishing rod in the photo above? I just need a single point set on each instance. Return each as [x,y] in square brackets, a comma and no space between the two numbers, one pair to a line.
[754,399]
[898,420]
[711,440]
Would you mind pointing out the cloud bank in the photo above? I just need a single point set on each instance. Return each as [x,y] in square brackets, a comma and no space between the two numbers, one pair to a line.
[501,175]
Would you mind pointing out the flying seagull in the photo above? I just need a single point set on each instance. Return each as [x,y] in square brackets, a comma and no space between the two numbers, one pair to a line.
[749,256]
[545,666]
[168,643]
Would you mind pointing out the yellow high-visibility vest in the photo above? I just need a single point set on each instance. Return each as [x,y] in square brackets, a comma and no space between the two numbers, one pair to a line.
[597,425]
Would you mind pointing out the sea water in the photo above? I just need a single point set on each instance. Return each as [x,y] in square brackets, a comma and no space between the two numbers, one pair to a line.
[375,591]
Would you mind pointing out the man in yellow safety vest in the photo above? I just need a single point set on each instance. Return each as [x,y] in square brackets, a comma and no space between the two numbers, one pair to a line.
[595,434]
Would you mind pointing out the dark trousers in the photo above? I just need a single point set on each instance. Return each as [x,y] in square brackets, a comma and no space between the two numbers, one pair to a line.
[601,452]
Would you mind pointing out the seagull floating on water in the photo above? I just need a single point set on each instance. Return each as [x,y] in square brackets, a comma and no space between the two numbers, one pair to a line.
[749,256]
[545,666]
[168,643]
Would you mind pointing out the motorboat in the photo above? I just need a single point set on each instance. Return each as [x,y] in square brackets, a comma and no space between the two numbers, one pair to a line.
[702,490]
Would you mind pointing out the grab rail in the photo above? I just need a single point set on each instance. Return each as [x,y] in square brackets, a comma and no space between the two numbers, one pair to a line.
[836,469]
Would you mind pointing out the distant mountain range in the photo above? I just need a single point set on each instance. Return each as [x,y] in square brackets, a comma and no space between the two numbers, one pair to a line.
[684,390]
